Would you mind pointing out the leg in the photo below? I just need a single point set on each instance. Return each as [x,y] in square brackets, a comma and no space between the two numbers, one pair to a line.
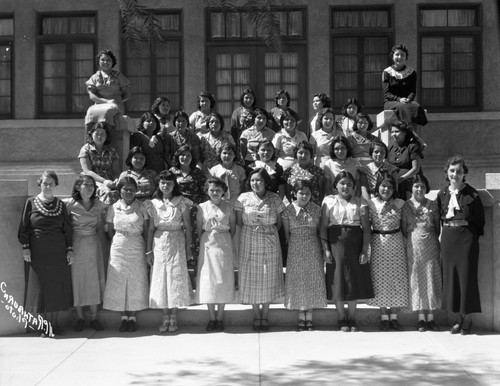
[264,322]
[384,319]
[132,324]
[94,323]
[172,327]
[220,316]
[457,325]
[80,322]
[393,322]
[352,304]
[343,323]
[212,324]
[422,324]
[256,316]
[301,326]
[309,322]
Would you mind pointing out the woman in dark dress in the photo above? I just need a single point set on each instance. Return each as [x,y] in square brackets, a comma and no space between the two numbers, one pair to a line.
[462,217]
[46,234]
[399,82]
[405,154]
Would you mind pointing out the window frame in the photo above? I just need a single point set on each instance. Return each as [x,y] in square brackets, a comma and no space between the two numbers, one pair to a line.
[361,33]
[9,39]
[67,39]
[177,36]
[447,33]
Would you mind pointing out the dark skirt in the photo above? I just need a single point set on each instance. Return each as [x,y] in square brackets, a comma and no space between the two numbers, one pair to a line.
[459,256]
[408,112]
[346,278]
[48,259]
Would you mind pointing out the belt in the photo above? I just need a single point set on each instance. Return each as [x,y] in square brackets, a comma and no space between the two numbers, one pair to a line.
[344,226]
[381,232]
[128,234]
[456,223]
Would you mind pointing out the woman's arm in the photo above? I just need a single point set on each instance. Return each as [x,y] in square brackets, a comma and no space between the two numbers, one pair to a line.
[323,234]
[279,221]
[239,218]
[86,168]
[367,234]
[149,242]
[199,221]
[415,168]
[286,228]
[232,223]
[188,231]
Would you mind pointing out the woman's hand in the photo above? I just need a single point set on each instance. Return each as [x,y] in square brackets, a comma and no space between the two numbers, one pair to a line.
[328,256]
[153,141]
[150,257]
[363,257]
[70,256]
[404,100]
[27,255]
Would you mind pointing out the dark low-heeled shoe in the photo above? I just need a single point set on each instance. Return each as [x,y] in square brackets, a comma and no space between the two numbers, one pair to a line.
[256,324]
[456,328]
[264,325]
[211,326]
[80,324]
[220,325]
[466,328]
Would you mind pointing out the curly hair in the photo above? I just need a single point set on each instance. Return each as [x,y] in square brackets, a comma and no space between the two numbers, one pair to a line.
[48,174]
[278,94]
[401,47]
[145,117]
[108,53]
[303,145]
[390,179]
[210,97]
[348,102]
[178,152]
[155,107]
[455,160]
[345,142]
[248,91]
[325,99]
[99,125]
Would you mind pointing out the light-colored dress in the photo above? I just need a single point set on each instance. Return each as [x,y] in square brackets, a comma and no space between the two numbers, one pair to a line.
[232,177]
[215,280]
[252,138]
[261,267]
[147,182]
[422,250]
[285,144]
[334,166]
[87,270]
[388,258]
[322,141]
[127,281]
[209,147]
[305,278]
[170,286]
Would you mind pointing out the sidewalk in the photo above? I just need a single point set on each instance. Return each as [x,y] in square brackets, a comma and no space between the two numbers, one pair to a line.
[240,356]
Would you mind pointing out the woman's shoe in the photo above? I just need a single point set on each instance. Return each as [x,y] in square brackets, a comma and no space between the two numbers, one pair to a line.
[80,324]
[456,328]
[384,325]
[131,326]
[264,325]
[432,326]
[219,325]
[94,323]
[353,325]
[211,326]
[256,325]
[123,325]
[421,326]
[344,325]
[395,325]
[466,328]
[309,325]
[164,325]
[301,326]
[172,327]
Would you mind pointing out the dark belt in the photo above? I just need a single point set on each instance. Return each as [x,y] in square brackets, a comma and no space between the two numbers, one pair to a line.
[386,232]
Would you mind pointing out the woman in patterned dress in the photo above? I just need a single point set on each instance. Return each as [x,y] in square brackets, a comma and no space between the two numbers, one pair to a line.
[168,248]
[345,233]
[183,136]
[304,169]
[420,226]
[100,161]
[388,260]
[212,141]
[305,279]
[251,137]
[216,222]
[261,273]
[46,235]
[127,282]
[191,181]
[462,218]
[376,169]
[87,271]
[147,179]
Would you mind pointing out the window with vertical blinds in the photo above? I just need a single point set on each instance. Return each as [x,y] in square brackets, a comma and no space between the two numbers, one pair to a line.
[6,69]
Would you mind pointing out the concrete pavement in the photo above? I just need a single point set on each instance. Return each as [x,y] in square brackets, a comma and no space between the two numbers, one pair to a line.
[240,356]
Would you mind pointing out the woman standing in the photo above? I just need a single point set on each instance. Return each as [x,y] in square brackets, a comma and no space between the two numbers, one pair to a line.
[286,141]
[322,138]
[127,282]
[261,272]
[46,235]
[462,217]
[251,137]
[87,271]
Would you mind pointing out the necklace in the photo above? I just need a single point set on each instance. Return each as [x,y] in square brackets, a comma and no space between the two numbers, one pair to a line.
[52,208]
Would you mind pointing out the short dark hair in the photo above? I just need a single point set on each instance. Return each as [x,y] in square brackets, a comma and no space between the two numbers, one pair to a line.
[225,145]
[322,114]
[219,117]
[299,185]
[108,53]
[78,183]
[325,99]
[179,114]
[217,182]
[248,91]
[146,116]
[420,178]
[287,116]
[379,143]
[155,107]
[360,116]
[99,125]
[282,92]
[263,173]
[178,152]
[168,176]
[266,142]
[135,150]
[343,174]
[210,97]
[48,174]
[345,142]
[351,101]
[303,145]
[454,160]
[125,181]
[386,178]
[401,47]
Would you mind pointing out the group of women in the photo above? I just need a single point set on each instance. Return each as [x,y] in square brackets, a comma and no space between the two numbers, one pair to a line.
[263,194]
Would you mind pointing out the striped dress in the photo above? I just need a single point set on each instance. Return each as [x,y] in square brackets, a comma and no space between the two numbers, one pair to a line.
[261,268]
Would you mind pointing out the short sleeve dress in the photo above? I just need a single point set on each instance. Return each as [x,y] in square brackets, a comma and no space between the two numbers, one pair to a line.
[322,141]
[402,157]
[261,269]
[388,259]
[209,147]
[374,173]
[215,279]
[170,285]
[127,281]
[312,173]
[422,250]
[159,157]
[285,144]
[147,182]
[305,278]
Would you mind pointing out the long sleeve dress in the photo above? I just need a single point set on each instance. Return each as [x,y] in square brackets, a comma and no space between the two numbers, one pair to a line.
[46,228]
[215,280]
[305,279]
[422,250]
[87,270]
[127,281]
[261,269]
[170,285]
[460,249]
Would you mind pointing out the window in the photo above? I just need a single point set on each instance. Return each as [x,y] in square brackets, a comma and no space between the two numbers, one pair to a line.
[361,41]
[66,45]
[6,74]
[450,48]
[156,73]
